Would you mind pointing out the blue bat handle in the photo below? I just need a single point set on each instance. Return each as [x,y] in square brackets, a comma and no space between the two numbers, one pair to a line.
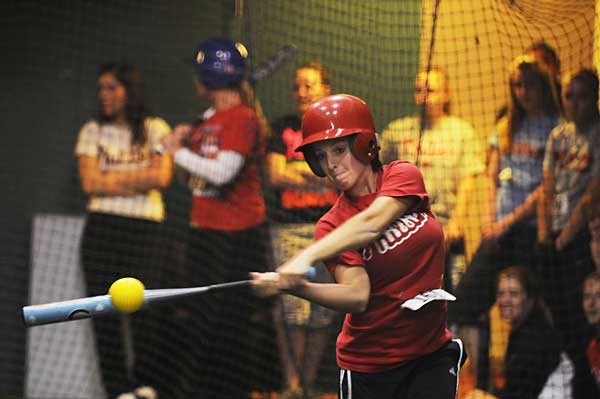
[311,274]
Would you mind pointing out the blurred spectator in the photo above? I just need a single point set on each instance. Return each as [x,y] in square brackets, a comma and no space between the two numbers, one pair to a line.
[515,167]
[591,212]
[221,161]
[544,55]
[535,366]
[122,169]
[301,198]
[452,160]
[571,175]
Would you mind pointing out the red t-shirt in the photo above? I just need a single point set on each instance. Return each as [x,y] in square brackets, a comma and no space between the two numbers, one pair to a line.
[406,260]
[593,354]
[240,204]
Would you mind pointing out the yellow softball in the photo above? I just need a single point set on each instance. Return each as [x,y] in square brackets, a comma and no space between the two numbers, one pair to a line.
[127,294]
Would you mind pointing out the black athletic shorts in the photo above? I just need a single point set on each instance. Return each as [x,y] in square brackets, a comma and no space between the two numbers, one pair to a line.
[433,376]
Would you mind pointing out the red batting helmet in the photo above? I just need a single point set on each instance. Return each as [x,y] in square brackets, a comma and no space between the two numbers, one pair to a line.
[338,116]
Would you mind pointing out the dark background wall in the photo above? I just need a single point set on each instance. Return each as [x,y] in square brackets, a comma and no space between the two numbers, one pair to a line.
[51,51]
[371,47]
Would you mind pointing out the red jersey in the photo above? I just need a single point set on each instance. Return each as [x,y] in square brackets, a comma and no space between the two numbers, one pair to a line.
[406,260]
[240,204]
[593,355]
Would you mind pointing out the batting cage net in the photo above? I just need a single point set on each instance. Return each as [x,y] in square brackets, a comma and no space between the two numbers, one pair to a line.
[495,101]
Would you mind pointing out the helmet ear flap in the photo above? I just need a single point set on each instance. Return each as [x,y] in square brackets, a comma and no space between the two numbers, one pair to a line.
[372,149]
[312,161]
[365,146]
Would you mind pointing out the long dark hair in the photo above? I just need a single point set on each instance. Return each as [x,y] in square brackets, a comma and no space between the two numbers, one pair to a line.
[136,109]
[546,94]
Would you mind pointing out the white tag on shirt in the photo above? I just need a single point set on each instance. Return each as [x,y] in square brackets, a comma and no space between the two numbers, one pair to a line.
[420,300]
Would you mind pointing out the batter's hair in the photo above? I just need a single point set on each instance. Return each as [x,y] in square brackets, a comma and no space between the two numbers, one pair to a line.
[136,109]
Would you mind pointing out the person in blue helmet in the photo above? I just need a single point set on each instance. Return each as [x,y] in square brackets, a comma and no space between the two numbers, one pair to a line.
[220,160]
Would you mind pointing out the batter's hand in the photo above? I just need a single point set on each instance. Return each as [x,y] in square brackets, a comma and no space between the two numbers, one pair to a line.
[292,274]
[265,284]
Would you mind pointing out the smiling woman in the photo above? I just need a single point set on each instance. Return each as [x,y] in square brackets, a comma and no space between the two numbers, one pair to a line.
[534,365]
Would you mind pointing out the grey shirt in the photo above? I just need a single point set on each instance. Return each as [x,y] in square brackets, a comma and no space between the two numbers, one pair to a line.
[573,159]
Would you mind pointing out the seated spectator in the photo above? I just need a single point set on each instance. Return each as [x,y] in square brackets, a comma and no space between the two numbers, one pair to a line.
[534,366]
[515,167]
[571,176]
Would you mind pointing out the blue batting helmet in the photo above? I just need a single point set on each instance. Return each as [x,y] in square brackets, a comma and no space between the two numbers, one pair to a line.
[220,62]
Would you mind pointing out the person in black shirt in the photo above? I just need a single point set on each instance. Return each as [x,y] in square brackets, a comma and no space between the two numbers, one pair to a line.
[298,200]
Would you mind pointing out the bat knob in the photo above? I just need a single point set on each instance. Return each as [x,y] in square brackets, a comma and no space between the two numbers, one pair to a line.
[311,274]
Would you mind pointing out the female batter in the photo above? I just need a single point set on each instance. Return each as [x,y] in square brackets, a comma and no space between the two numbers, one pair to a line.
[386,251]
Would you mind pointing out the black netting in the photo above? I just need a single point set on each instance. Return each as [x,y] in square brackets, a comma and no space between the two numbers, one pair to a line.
[374,50]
